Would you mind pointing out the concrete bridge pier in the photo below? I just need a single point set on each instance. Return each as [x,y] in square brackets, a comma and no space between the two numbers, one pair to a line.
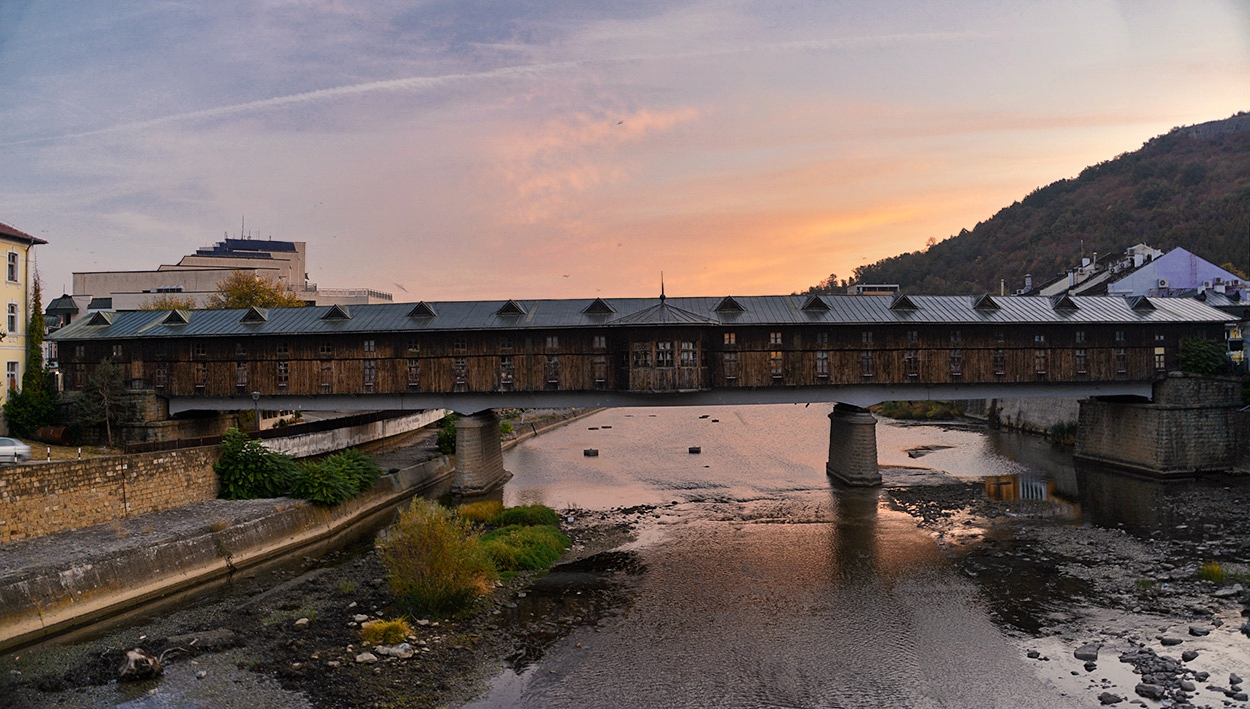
[479,458]
[853,446]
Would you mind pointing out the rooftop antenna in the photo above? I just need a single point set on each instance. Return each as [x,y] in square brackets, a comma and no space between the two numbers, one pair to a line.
[662,296]
[242,225]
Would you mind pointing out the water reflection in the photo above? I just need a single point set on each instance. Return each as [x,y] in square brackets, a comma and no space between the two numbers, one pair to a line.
[855,553]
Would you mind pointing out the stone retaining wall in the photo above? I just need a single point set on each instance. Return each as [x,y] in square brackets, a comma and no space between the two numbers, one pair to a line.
[43,498]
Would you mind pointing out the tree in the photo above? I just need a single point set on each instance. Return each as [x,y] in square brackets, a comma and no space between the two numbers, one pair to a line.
[1207,357]
[246,290]
[169,301]
[33,407]
[103,399]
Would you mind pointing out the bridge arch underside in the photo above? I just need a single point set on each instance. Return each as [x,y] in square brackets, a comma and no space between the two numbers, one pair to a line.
[860,395]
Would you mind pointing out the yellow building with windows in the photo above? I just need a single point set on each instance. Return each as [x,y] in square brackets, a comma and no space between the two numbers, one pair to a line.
[19,252]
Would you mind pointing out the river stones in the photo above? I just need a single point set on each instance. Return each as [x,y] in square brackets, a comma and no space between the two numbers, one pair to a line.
[1087,652]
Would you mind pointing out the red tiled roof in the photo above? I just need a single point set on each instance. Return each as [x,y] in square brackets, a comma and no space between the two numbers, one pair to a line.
[10,232]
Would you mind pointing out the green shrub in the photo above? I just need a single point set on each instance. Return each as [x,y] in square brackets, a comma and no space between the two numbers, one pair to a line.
[385,632]
[483,512]
[1209,357]
[505,428]
[322,483]
[514,548]
[527,515]
[247,470]
[357,468]
[436,564]
[446,441]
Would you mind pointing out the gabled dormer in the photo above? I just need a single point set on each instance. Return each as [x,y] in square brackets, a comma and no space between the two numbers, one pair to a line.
[1140,303]
[176,317]
[729,305]
[255,315]
[598,307]
[337,312]
[1062,301]
[815,303]
[101,317]
[422,310]
[984,303]
[510,309]
[902,302]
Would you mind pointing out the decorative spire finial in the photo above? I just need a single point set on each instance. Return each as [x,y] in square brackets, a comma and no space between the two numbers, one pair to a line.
[662,296]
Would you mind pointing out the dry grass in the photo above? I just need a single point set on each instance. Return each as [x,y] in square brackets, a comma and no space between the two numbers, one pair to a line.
[385,632]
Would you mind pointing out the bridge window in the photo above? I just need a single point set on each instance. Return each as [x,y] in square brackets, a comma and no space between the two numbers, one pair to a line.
[370,345]
[1159,337]
[198,350]
[731,365]
[1080,336]
[326,382]
[201,377]
[775,362]
[414,345]
[774,338]
[284,374]
[600,342]
[505,343]
[1161,359]
[414,375]
[731,338]
[283,350]
[822,339]
[957,363]
[911,363]
[327,349]
[240,377]
[160,380]
[80,351]
[553,372]
[642,355]
[460,374]
[822,364]
[913,336]
[505,373]
[371,373]
[117,350]
[1000,336]
[1081,362]
[957,336]
[867,367]
[687,353]
[1039,361]
[1000,362]
[1039,339]
[459,344]
[240,350]
[553,342]
[1121,360]
[599,370]
[865,337]
[1119,336]
[80,376]
[664,354]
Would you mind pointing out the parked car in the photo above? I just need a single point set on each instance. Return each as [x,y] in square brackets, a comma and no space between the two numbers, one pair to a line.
[13,451]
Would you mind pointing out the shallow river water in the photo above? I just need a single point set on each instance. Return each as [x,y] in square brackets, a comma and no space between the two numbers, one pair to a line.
[766,586]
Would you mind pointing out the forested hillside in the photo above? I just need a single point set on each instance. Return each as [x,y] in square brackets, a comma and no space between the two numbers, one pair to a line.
[1190,187]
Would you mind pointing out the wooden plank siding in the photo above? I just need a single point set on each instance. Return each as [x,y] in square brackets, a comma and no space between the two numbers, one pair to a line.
[603,357]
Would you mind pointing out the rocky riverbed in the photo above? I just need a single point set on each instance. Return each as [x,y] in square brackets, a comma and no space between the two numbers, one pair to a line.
[1117,613]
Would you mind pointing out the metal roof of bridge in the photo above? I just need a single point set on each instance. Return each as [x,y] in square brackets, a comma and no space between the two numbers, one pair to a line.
[773,310]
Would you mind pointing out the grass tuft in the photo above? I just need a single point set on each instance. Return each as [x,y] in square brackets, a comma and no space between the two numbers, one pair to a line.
[514,548]
[385,632]
[1211,571]
[483,512]
[527,515]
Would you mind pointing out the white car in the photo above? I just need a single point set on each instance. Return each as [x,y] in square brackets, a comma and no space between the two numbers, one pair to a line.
[13,451]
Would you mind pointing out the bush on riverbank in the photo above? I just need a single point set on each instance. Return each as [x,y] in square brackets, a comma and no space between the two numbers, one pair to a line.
[247,470]
[919,409]
[481,512]
[518,548]
[436,564]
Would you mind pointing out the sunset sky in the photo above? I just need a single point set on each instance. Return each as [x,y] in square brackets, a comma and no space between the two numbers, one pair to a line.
[542,149]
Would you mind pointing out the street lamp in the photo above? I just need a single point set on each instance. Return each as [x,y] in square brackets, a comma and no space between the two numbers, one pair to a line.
[256,408]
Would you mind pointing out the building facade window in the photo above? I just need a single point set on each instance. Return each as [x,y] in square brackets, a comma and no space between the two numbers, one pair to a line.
[1121,360]
[240,377]
[913,336]
[1040,363]
[553,342]
[460,344]
[13,318]
[553,372]
[867,368]
[505,343]
[957,336]
[460,374]
[687,354]
[1080,336]
[865,337]
[240,350]
[201,377]
[641,355]
[957,363]
[1161,359]
[282,350]
[370,345]
[731,338]
[664,354]
[506,378]
[774,338]
[1081,362]
[822,339]
[1119,336]
[1000,336]
[10,370]
[117,351]
[822,364]
[11,273]
[911,363]
[326,380]
[283,374]
[776,364]
[1000,362]
[370,374]
[414,375]
[600,342]
[326,349]
[160,379]
[414,345]
[80,351]
[199,350]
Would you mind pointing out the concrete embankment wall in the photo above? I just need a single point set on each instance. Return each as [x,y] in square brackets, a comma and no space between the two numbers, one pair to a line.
[44,498]
[1032,415]
[42,601]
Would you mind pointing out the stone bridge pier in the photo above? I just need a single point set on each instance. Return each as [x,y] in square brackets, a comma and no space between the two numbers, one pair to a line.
[479,458]
[853,446]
